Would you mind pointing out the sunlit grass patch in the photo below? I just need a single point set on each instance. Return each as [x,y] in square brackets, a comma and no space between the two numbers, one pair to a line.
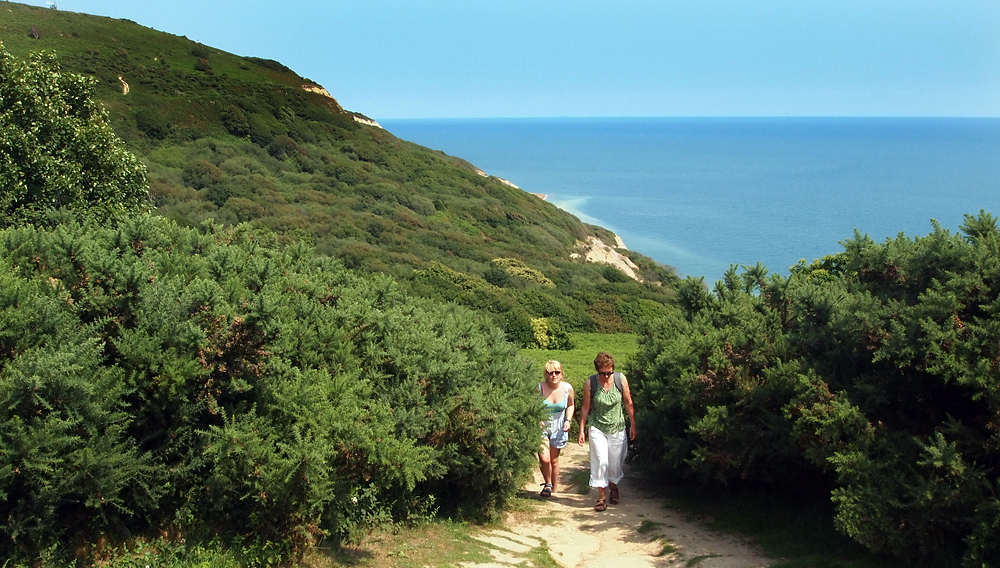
[547,520]
[432,544]
[578,363]
[541,558]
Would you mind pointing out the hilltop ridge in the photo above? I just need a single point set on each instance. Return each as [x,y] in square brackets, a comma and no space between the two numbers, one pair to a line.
[231,139]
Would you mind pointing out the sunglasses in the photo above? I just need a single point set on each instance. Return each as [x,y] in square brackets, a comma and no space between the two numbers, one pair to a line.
[554,372]
[608,374]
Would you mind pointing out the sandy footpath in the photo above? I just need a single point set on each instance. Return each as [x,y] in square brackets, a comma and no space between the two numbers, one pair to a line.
[578,537]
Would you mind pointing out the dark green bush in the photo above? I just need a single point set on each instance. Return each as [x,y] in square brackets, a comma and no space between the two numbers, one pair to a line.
[873,371]
[612,274]
[269,64]
[235,121]
[283,147]
[261,132]
[516,326]
[152,123]
[68,464]
[155,378]
[204,66]
[201,173]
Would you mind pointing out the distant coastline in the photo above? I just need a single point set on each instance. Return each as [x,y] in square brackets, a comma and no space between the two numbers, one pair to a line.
[639,178]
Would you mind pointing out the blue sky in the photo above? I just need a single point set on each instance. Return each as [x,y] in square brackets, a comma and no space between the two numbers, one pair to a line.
[529,58]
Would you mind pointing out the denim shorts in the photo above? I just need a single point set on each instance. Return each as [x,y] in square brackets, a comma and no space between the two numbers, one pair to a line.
[557,437]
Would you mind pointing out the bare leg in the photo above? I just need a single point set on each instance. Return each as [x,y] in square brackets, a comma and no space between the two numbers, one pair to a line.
[545,462]
[554,467]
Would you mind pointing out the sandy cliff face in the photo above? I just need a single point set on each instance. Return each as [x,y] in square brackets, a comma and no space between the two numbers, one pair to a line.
[501,180]
[594,250]
[365,120]
[318,89]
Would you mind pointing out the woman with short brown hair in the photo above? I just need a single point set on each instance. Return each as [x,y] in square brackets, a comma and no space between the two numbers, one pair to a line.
[605,396]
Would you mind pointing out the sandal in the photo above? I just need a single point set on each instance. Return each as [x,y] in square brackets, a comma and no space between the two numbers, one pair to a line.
[600,506]
[614,495]
[546,490]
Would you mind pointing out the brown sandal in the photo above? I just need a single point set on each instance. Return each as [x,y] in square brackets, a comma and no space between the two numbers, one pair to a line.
[600,506]
[614,495]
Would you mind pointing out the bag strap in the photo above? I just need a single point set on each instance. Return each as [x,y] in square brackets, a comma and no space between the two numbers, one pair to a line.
[593,386]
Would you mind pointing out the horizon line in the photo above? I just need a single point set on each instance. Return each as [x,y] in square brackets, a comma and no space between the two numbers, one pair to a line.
[693,116]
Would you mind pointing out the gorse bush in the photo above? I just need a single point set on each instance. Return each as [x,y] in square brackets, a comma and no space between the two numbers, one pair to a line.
[873,374]
[156,377]
[223,383]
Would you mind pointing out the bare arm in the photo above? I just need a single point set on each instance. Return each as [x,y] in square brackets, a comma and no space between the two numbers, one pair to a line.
[569,409]
[627,400]
[584,411]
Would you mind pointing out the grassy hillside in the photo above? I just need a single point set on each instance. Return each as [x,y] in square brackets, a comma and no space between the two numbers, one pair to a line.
[244,140]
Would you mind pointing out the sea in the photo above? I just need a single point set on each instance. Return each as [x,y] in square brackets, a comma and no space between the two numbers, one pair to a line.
[704,194]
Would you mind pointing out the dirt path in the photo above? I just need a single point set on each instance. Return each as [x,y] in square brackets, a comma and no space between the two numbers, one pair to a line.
[638,532]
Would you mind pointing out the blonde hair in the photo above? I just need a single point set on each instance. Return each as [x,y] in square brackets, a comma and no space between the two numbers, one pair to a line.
[552,365]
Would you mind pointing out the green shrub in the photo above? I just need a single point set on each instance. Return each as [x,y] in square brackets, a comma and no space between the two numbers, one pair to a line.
[155,378]
[283,147]
[57,149]
[152,123]
[519,269]
[269,64]
[550,334]
[204,66]
[68,464]
[871,371]
[201,173]
[261,132]
[612,274]
[235,121]
[517,329]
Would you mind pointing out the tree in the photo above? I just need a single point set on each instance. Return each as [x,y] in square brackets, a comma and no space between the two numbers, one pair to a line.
[57,149]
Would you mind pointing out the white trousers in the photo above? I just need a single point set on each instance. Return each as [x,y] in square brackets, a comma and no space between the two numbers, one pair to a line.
[607,457]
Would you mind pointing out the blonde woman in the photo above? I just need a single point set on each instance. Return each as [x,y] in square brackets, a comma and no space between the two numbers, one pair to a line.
[557,396]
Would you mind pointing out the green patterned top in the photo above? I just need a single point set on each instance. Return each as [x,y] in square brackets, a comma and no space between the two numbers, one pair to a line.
[607,414]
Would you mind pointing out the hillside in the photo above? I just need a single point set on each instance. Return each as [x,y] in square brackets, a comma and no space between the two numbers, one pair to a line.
[234,139]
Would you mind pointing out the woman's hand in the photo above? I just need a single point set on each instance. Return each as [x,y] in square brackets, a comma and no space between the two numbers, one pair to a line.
[566,425]
[581,438]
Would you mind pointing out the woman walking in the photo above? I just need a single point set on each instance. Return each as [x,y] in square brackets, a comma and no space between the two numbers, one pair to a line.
[605,396]
[557,396]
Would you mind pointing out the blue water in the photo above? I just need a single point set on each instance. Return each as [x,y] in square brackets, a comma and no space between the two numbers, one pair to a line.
[701,194]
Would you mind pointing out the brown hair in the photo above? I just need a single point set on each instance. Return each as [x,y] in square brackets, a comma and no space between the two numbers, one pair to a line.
[603,360]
